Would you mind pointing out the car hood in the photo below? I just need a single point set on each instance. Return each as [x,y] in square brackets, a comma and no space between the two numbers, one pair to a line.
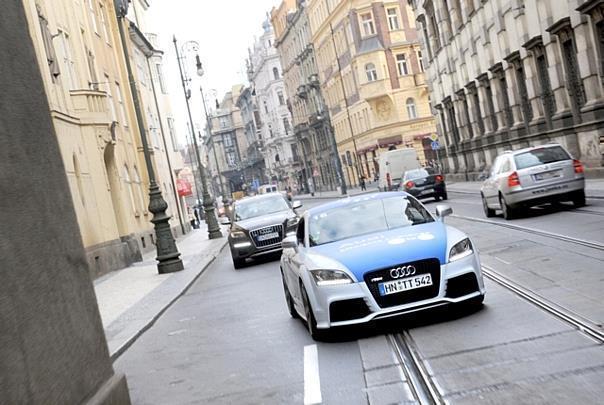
[265,220]
[374,251]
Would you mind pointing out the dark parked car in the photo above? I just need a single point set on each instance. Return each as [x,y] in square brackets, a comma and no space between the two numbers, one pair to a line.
[259,224]
[424,183]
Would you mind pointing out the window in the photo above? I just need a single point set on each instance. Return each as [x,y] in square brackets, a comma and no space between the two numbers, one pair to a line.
[281,98]
[224,122]
[392,19]
[160,78]
[371,72]
[230,158]
[140,67]
[228,141]
[139,189]
[420,61]
[367,24]
[94,81]
[172,133]
[265,106]
[67,59]
[78,175]
[93,15]
[110,98]
[51,57]
[411,110]
[130,191]
[103,18]
[276,73]
[401,63]
[286,125]
[120,101]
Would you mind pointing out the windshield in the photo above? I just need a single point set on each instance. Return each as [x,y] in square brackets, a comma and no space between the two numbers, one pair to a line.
[365,217]
[257,207]
[541,156]
[416,174]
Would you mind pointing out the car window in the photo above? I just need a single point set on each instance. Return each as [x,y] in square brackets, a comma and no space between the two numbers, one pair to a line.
[246,209]
[506,166]
[540,156]
[364,217]
[496,165]
[416,174]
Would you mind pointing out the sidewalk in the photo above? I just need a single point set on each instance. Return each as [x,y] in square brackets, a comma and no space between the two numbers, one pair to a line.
[130,300]
[594,188]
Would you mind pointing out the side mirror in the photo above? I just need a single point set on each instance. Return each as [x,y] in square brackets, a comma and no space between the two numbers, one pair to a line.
[296,204]
[442,210]
[289,242]
[224,220]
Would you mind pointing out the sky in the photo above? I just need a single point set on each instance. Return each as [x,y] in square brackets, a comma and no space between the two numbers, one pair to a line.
[224,29]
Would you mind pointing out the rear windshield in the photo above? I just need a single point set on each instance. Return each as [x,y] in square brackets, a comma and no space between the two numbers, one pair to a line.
[416,174]
[541,156]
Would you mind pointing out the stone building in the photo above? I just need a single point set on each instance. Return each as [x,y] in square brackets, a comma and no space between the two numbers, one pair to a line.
[226,146]
[506,75]
[81,59]
[312,126]
[371,70]
[254,165]
[265,76]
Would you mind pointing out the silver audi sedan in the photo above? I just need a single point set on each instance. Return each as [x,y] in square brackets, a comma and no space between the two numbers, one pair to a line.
[376,256]
[532,176]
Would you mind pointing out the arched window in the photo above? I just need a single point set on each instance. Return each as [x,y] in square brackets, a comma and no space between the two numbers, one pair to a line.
[411,110]
[371,72]
[276,73]
[139,189]
[130,191]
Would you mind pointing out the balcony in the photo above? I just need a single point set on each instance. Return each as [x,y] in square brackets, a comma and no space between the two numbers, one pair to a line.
[91,106]
[375,89]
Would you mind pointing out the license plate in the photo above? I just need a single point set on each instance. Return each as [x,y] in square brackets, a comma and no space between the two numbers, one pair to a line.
[411,283]
[547,175]
[266,236]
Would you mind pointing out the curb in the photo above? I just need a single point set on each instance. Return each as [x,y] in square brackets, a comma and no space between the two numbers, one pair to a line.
[130,341]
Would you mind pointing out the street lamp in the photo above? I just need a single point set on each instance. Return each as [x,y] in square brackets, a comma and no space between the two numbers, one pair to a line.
[168,256]
[200,72]
[208,205]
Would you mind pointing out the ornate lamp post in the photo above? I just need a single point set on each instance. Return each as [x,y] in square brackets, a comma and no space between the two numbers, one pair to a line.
[168,256]
[225,201]
[208,205]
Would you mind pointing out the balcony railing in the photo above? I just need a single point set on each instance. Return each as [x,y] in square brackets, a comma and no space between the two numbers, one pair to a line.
[91,106]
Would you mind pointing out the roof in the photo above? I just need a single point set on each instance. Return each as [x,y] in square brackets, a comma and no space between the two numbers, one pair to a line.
[342,202]
[260,197]
[515,152]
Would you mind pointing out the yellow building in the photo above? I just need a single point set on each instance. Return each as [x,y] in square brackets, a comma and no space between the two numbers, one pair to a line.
[81,59]
[372,76]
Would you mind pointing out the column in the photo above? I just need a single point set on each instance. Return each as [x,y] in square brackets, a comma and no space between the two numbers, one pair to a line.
[590,55]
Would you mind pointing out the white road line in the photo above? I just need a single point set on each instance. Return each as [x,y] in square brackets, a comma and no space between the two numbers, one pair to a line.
[312,381]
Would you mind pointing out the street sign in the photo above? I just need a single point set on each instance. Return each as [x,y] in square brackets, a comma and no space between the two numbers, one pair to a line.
[435,145]
[434,137]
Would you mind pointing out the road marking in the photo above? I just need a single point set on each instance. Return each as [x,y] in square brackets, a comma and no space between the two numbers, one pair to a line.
[312,381]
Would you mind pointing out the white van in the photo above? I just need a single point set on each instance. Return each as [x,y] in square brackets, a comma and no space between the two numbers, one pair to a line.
[393,164]
[267,188]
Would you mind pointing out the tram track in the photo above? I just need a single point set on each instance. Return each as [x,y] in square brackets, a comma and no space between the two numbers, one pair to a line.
[582,324]
[420,382]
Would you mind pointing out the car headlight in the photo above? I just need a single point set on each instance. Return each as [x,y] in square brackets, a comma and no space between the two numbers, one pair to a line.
[291,222]
[330,277]
[237,233]
[460,250]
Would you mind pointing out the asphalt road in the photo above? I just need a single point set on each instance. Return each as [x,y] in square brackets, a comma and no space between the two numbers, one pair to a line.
[229,339]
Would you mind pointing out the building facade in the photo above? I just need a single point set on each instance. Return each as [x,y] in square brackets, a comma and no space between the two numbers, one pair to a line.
[81,59]
[254,165]
[226,146]
[372,76]
[509,75]
[265,76]
[312,126]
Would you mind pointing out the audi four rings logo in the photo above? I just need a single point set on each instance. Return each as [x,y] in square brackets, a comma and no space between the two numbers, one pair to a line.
[403,271]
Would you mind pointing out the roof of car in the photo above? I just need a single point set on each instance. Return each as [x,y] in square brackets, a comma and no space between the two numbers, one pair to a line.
[530,148]
[342,202]
[260,197]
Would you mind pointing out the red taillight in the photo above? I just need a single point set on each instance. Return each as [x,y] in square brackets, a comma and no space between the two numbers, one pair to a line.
[440,178]
[409,184]
[578,166]
[513,180]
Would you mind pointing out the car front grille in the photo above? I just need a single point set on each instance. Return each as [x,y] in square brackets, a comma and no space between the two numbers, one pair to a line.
[256,236]
[431,266]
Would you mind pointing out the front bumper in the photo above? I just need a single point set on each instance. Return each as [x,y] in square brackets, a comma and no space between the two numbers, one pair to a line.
[322,297]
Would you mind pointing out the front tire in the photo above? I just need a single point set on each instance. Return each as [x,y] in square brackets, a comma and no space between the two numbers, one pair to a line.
[315,333]
[488,212]
[289,300]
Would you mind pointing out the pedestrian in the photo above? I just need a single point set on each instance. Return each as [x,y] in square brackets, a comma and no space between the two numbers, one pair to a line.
[191,218]
[196,213]
[362,182]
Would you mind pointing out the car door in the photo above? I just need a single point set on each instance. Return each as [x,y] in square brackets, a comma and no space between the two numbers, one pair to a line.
[489,189]
[294,262]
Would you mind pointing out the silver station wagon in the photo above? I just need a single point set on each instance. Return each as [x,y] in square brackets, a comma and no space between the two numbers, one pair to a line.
[530,177]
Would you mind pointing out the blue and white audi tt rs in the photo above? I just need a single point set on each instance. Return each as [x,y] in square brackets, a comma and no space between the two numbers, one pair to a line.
[376,256]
